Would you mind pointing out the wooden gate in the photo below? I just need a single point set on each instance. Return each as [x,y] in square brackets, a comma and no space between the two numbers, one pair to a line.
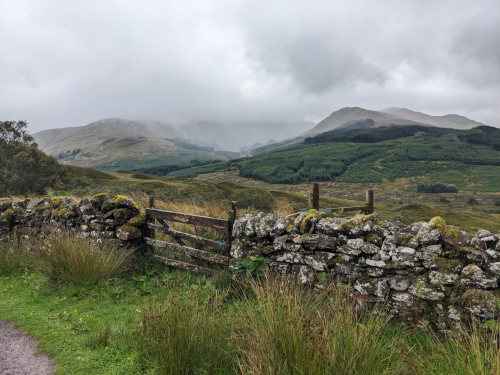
[201,261]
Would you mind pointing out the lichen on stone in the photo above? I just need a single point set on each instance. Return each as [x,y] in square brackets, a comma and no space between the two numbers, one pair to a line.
[128,232]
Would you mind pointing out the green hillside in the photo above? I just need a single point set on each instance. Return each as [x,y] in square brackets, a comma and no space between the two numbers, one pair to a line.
[115,144]
[454,157]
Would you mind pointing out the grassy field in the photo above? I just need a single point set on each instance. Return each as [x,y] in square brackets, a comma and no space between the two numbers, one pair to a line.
[394,200]
[155,321]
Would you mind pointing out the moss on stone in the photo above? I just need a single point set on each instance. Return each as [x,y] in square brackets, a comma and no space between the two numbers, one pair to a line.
[119,199]
[373,238]
[311,214]
[255,253]
[411,240]
[364,279]
[96,226]
[267,249]
[437,222]
[357,221]
[473,297]
[338,260]
[8,215]
[63,212]
[5,203]
[138,221]
[447,231]
[101,196]
[41,207]
[446,265]
[58,201]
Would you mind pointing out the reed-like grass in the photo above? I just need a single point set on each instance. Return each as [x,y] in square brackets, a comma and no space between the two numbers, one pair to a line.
[82,261]
[188,334]
[466,352]
[279,328]
[288,329]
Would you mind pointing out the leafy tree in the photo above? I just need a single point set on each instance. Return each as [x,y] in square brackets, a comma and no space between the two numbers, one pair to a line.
[23,168]
[15,132]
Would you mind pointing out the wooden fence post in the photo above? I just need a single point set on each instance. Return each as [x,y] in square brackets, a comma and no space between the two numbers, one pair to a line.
[232,218]
[369,201]
[314,198]
[150,233]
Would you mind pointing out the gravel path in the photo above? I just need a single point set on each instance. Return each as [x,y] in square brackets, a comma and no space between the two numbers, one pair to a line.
[18,354]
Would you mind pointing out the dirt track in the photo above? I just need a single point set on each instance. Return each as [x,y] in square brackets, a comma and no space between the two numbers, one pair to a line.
[18,355]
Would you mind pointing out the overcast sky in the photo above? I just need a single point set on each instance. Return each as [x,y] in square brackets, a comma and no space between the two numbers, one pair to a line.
[71,62]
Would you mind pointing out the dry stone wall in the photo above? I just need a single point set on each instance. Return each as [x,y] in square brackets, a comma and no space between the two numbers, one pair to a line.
[100,216]
[425,272]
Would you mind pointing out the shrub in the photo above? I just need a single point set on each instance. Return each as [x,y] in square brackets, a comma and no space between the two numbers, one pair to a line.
[259,199]
[188,333]
[472,201]
[81,261]
[436,188]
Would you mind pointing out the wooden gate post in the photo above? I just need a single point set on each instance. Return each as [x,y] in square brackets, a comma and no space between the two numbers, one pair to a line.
[369,201]
[149,232]
[232,218]
[314,198]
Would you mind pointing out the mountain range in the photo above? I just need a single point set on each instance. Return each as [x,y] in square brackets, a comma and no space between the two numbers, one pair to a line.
[112,144]
[347,116]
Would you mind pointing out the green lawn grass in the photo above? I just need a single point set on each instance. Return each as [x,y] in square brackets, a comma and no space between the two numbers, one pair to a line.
[74,324]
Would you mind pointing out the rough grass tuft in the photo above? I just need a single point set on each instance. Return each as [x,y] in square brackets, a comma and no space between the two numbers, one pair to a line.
[188,334]
[13,257]
[289,329]
[81,261]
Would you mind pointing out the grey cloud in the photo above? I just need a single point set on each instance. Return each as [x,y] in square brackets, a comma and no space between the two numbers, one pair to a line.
[314,64]
[69,63]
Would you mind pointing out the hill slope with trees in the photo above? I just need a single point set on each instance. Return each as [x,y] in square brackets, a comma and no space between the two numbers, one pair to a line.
[24,169]
[372,155]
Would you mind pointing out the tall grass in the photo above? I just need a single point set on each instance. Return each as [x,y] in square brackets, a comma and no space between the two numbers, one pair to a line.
[13,257]
[288,329]
[188,334]
[474,352]
[279,328]
[81,261]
